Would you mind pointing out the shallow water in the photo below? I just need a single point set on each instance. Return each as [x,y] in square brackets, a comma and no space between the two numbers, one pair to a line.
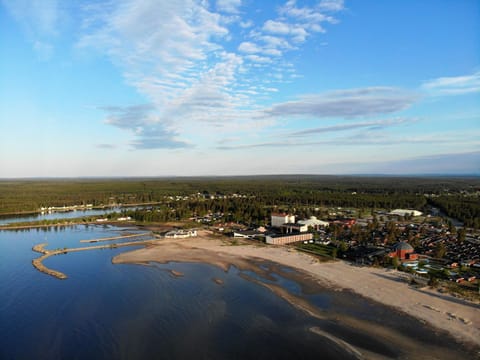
[106,311]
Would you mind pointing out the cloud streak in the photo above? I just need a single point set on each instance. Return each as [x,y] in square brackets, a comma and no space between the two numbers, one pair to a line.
[455,85]
[349,103]
[365,138]
[371,125]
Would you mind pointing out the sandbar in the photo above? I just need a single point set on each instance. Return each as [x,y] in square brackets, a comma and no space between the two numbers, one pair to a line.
[458,317]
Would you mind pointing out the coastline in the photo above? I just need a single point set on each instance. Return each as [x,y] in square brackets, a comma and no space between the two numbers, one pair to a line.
[444,312]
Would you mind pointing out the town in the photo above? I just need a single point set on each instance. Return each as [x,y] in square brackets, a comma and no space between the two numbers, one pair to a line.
[428,247]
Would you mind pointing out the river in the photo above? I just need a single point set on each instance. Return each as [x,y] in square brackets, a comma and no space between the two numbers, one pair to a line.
[7,220]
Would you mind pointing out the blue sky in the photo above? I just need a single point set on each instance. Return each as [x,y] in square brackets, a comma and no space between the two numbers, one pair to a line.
[232,87]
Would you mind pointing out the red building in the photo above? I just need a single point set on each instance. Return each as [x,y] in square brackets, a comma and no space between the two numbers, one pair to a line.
[345,222]
[404,251]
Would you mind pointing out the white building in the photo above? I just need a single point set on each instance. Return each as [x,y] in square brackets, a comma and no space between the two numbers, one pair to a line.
[181,234]
[314,222]
[291,228]
[278,219]
[403,212]
[287,239]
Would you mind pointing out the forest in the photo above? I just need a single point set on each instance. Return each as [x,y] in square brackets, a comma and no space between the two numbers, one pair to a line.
[455,196]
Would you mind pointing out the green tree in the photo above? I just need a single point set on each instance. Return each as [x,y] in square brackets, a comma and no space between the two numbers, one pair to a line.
[440,250]
[343,246]
[334,253]
[395,262]
[433,280]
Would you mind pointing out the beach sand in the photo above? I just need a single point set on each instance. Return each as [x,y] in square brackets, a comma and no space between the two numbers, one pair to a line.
[459,318]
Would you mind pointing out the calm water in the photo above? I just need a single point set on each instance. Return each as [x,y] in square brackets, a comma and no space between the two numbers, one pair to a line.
[106,311]
[56,215]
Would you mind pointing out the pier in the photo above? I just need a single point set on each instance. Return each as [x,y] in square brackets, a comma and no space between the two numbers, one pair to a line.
[116,237]
[40,248]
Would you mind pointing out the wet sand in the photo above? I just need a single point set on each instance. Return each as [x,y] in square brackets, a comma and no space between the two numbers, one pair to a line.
[445,313]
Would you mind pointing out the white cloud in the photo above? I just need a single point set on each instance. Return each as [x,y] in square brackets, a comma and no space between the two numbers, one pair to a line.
[276,27]
[307,15]
[229,6]
[259,59]
[455,85]
[249,48]
[331,5]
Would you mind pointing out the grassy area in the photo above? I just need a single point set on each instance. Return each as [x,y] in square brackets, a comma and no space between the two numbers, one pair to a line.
[465,290]
[324,251]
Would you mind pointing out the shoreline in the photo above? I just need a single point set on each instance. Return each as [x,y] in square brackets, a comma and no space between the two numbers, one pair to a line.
[444,312]
[69,223]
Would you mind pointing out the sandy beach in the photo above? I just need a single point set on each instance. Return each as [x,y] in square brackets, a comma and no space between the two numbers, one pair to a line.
[458,317]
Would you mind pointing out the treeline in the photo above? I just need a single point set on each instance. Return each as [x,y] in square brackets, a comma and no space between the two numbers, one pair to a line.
[245,210]
[263,193]
[463,208]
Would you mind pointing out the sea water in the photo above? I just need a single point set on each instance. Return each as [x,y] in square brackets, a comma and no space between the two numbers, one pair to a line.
[125,311]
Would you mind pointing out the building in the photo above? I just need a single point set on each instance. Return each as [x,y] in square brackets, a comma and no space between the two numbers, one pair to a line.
[278,219]
[403,212]
[403,251]
[291,228]
[180,234]
[345,222]
[314,223]
[287,239]
[248,234]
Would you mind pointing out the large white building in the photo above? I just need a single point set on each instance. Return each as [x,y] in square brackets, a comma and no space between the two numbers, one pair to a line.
[314,222]
[278,219]
[403,212]
[287,239]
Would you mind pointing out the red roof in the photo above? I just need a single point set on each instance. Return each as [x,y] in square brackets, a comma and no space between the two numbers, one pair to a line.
[279,214]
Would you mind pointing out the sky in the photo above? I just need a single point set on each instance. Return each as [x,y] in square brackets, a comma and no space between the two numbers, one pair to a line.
[239,87]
